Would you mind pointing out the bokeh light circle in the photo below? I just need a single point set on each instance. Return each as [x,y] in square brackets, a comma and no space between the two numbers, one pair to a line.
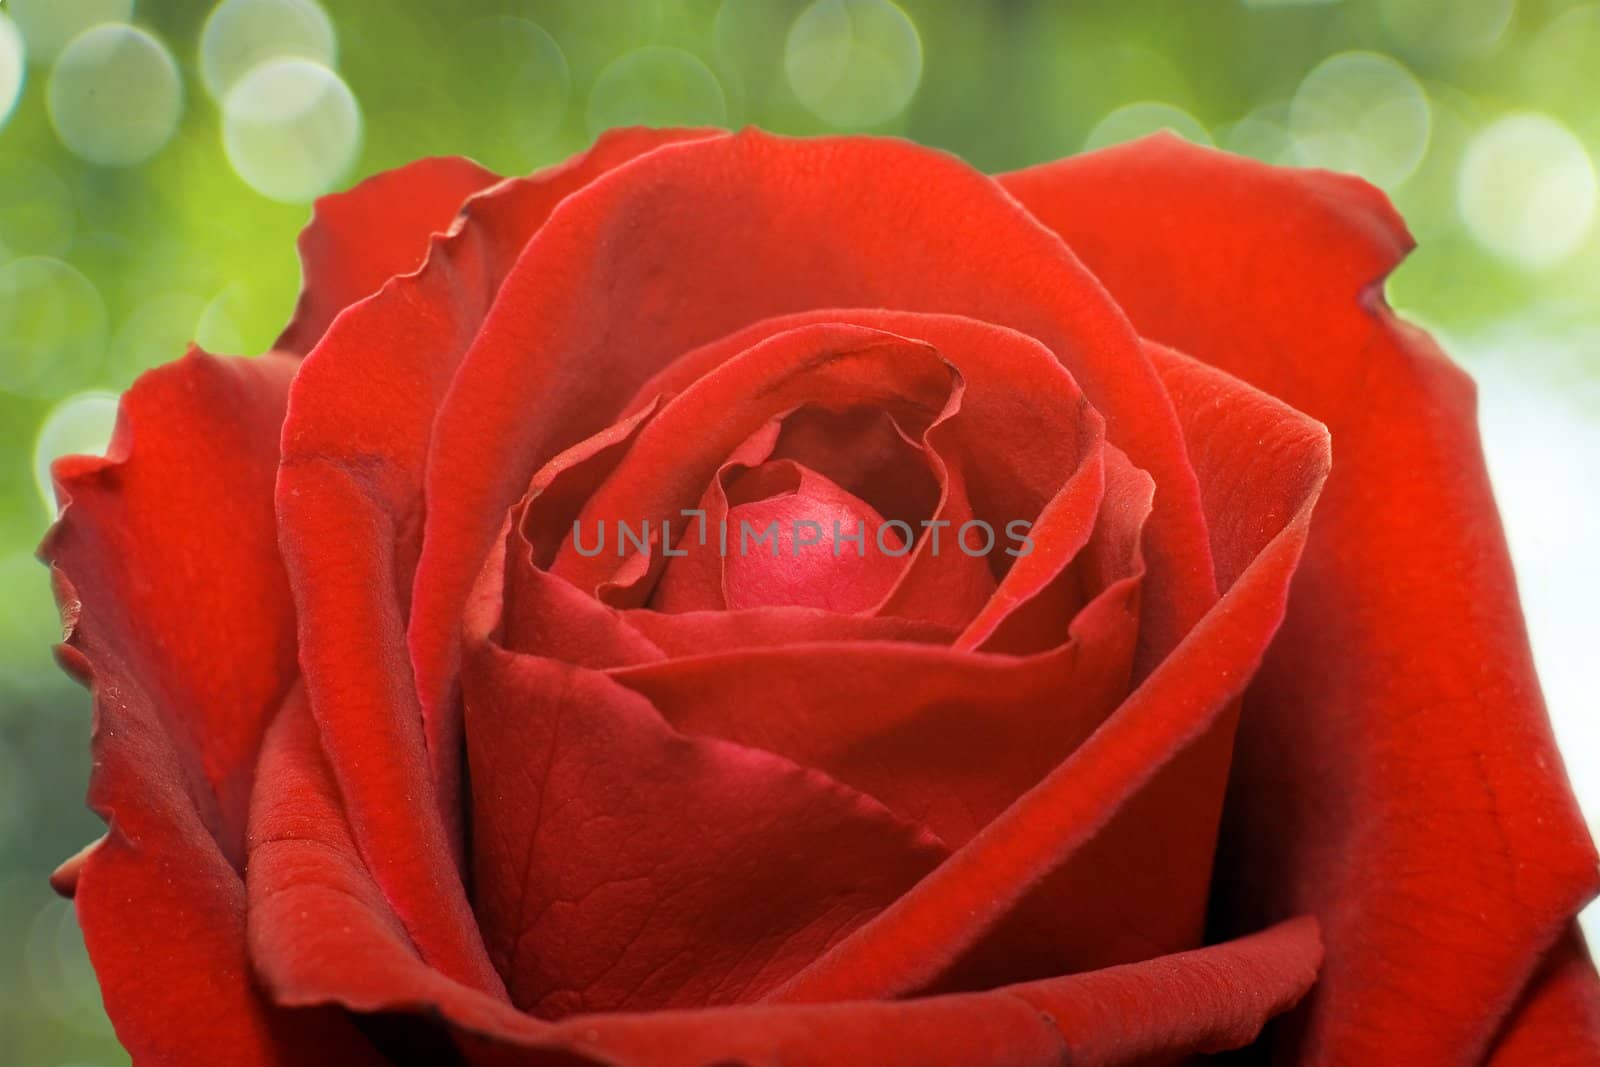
[240,35]
[1362,113]
[47,25]
[79,425]
[853,63]
[52,327]
[291,129]
[656,86]
[1264,134]
[1527,190]
[13,67]
[115,95]
[1132,121]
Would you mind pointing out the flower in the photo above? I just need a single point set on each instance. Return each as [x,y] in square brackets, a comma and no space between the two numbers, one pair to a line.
[395,762]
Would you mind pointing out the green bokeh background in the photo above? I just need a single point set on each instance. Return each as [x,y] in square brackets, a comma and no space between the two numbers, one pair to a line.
[181,246]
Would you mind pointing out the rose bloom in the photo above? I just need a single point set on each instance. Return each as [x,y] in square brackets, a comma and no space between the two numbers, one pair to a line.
[1246,752]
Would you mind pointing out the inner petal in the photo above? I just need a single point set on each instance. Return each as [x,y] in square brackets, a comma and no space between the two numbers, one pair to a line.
[822,547]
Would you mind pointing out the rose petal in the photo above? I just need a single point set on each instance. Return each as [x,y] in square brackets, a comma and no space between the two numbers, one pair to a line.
[339,943]
[841,578]
[694,241]
[1396,726]
[360,238]
[679,451]
[178,617]
[696,582]
[1556,1023]
[1208,1000]
[620,865]
[1122,827]
[350,508]
[945,738]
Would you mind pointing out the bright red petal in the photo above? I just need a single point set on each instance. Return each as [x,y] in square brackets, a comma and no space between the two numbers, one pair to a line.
[1556,1023]
[623,866]
[179,618]
[350,508]
[1122,827]
[1395,773]
[694,241]
[322,933]
[360,238]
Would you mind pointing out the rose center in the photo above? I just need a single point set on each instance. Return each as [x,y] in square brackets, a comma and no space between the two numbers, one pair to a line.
[793,538]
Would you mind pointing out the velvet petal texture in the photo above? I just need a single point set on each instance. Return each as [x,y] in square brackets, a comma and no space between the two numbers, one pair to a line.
[1395,773]
[1556,1022]
[159,545]
[693,241]
[350,510]
[621,865]
[321,932]
[1103,815]
[378,230]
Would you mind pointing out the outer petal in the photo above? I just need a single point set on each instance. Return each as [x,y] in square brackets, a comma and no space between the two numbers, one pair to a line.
[1113,828]
[359,239]
[621,865]
[1557,1021]
[178,616]
[1395,754]
[350,509]
[322,932]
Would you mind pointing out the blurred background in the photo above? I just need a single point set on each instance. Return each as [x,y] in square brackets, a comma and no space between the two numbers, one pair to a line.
[158,157]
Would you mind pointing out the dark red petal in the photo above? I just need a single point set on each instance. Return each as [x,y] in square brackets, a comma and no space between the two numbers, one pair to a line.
[1144,877]
[1159,1011]
[623,866]
[945,737]
[805,568]
[678,452]
[505,222]
[1556,1022]
[337,942]
[350,509]
[173,535]
[694,241]
[321,931]
[1395,753]
[695,633]
[1133,799]
[948,739]
[695,582]
[360,238]
[178,617]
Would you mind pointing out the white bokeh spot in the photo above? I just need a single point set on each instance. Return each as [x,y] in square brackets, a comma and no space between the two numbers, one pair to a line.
[240,35]
[1362,113]
[79,425]
[1527,190]
[115,95]
[13,67]
[853,63]
[291,129]
[47,25]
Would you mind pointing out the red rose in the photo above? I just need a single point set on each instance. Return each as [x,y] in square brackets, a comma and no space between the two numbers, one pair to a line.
[396,764]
